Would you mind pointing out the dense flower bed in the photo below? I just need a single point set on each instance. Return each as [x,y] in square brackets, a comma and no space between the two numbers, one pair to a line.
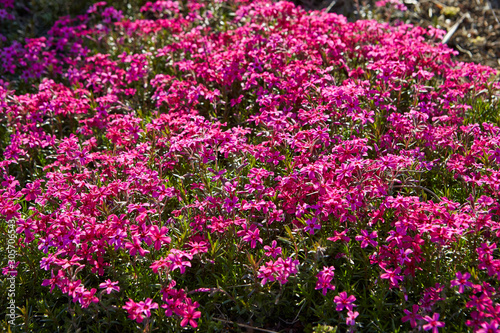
[215,164]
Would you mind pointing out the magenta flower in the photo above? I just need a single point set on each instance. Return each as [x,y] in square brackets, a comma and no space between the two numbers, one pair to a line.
[312,225]
[198,247]
[159,236]
[351,317]
[86,297]
[272,251]
[269,271]
[252,235]
[136,247]
[122,151]
[325,278]
[489,327]
[176,259]
[433,323]
[392,275]
[55,280]
[367,238]
[461,281]
[412,316]
[190,314]
[173,306]
[134,311]
[109,286]
[146,306]
[11,269]
[339,236]
[344,301]
[32,190]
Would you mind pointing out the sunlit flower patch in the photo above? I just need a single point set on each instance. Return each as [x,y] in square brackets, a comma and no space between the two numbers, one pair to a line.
[229,164]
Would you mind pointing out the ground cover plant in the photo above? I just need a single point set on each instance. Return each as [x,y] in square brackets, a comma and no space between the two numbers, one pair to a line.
[227,165]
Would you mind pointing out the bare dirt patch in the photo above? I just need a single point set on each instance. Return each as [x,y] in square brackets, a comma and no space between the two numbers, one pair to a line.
[473,25]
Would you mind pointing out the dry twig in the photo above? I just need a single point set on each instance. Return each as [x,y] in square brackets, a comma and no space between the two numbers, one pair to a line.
[453,29]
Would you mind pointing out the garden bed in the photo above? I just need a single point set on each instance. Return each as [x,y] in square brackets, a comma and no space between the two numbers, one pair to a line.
[232,165]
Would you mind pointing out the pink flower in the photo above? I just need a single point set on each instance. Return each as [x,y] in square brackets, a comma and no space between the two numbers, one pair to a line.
[146,306]
[136,247]
[398,4]
[433,323]
[134,312]
[32,190]
[176,259]
[312,225]
[109,286]
[339,236]
[351,316]
[198,247]
[55,280]
[412,316]
[367,238]
[344,301]
[87,297]
[190,314]
[272,251]
[250,235]
[11,268]
[461,281]
[325,278]
[491,327]
[392,275]
[269,271]
[159,236]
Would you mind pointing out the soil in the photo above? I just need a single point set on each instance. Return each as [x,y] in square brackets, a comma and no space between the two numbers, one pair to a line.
[473,25]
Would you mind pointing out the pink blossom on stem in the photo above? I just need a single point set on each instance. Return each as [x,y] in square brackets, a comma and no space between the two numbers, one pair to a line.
[433,323]
[344,301]
[461,281]
[109,286]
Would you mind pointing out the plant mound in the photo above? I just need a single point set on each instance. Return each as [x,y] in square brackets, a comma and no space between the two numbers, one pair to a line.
[227,164]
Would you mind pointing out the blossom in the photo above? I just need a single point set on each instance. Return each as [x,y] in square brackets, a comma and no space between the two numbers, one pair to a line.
[325,278]
[279,270]
[135,247]
[491,327]
[412,316]
[339,236]
[134,311]
[109,286]
[351,317]
[398,4]
[312,225]
[176,260]
[392,275]
[433,323]
[461,281]
[272,251]
[158,236]
[367,238]
[146,306]
[251,235]
[344,301]
[266,127]
[190,314]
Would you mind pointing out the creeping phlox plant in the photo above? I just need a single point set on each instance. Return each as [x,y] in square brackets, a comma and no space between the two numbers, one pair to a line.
[216,164]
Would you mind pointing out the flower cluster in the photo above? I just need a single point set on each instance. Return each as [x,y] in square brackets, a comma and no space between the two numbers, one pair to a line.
[225,146]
